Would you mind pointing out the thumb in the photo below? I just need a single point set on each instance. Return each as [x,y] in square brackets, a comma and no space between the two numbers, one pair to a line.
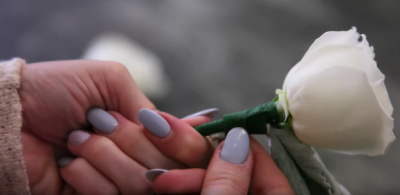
[229,171]
[231,167]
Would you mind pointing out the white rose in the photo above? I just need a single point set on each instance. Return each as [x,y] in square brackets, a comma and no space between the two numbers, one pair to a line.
[337,96]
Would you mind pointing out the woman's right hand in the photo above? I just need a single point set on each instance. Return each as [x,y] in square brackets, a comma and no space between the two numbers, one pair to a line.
[239,166]
[116,162]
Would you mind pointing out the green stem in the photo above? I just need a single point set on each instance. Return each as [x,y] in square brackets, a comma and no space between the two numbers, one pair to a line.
[253,120]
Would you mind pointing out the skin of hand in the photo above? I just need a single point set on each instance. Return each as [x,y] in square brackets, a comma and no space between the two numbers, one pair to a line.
[55,97]
[105,165]
[239,166]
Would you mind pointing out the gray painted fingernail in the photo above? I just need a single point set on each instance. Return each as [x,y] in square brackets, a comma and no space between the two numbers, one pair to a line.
[102,120]
[236,146]
[153,173]
[156,124]
[64,161]
[78,137]
[209,112]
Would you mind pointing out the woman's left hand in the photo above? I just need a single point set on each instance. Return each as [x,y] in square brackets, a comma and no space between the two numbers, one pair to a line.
[55,98]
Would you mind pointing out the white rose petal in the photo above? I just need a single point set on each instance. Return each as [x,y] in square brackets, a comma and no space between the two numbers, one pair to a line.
[337,96]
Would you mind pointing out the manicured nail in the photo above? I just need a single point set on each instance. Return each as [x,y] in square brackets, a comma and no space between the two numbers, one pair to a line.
[236,146]
[153,173]
[156,124]
[209,112]
[102,120]
[64,161]
[78,137]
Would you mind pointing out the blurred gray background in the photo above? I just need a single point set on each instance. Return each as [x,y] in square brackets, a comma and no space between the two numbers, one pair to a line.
[227,54]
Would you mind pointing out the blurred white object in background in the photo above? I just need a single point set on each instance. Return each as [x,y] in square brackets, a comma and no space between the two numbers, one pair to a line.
[144,66]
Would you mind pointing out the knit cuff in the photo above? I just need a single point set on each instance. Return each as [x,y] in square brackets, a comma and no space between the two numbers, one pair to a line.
[13,176]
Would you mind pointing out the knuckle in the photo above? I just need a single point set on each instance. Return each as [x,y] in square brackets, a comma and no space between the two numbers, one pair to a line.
[116,67]
[117,72]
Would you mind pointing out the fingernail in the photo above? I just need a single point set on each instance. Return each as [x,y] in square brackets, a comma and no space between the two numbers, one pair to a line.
[64,161]
[156,124]
[102,120]
[212,112]
[78,137]
[236,146]
[153,173]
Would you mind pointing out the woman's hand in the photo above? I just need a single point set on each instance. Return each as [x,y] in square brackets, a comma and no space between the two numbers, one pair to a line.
[105,165]
[55,97]
[239,166]
[116,162]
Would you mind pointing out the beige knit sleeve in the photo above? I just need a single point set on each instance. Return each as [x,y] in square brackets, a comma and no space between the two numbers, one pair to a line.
[13,177]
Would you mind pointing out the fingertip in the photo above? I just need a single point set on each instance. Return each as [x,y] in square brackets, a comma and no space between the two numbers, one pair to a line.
[236,147]
[102,120]
[196,121]
[68,166]
[182,144]
[168,117]
[153,173]
[156,124]
[65,161]
[78,137]
[231,166]
[211,113]
[179,126]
